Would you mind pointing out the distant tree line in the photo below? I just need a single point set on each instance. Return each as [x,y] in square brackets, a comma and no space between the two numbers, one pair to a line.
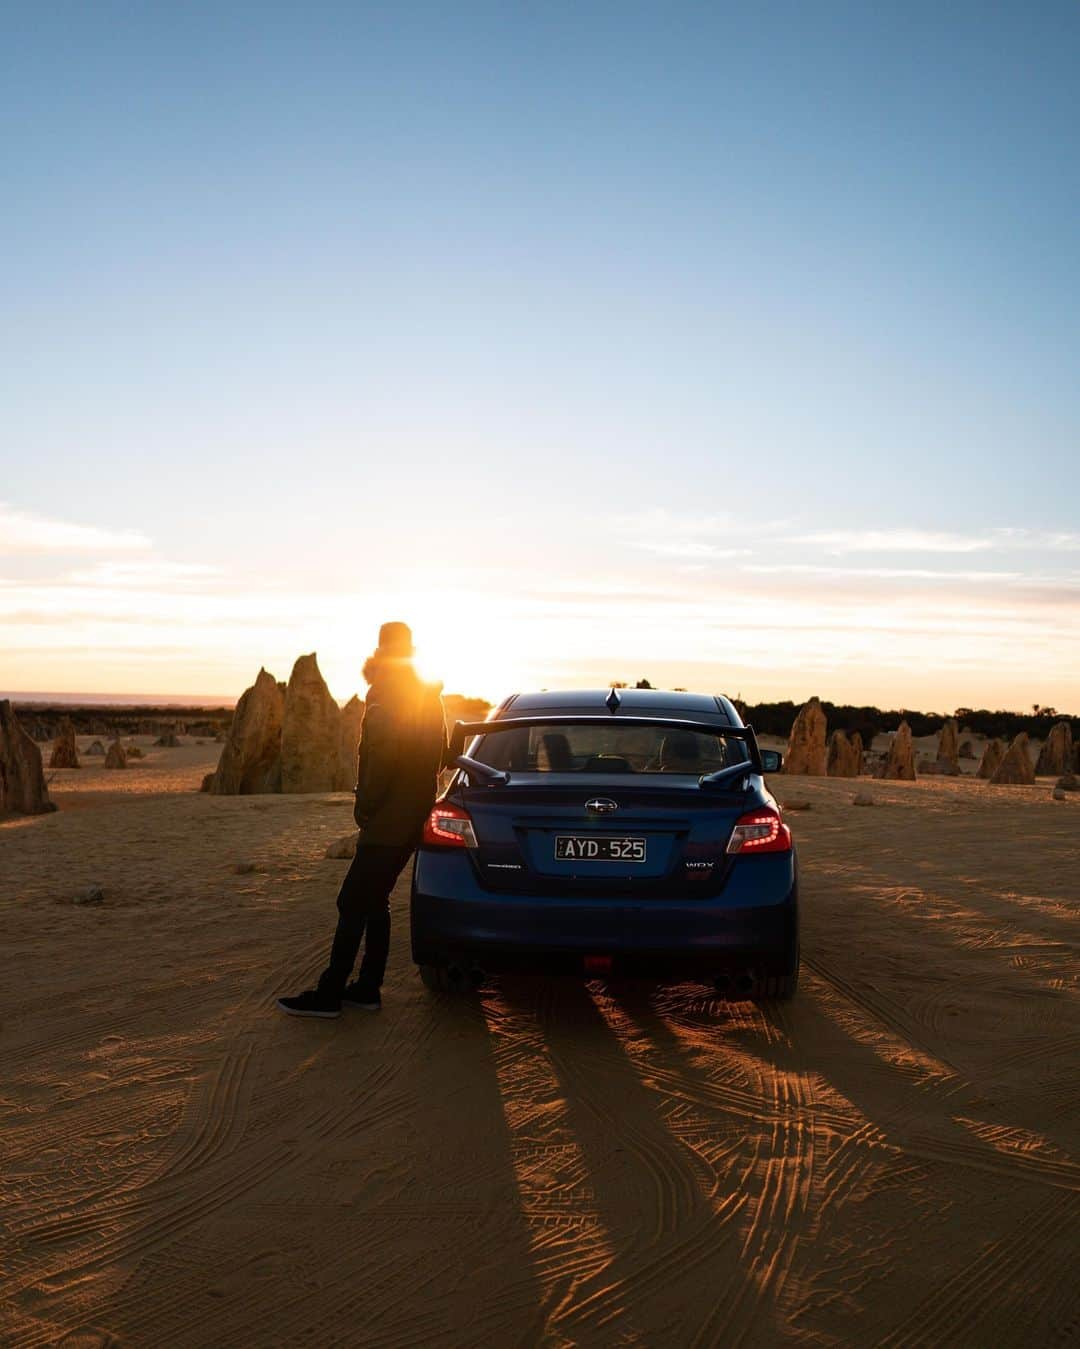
[776,718]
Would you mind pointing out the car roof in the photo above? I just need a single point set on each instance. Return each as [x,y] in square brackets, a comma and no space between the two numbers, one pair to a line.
[636,702]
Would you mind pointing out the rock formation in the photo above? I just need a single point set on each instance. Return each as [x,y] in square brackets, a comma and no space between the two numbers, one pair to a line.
[134,752]
[250,760]
[844,757]
[1056,755]
[948,748]
[352,717]
[967,750]
[992,756]
[1015,769]
[169,738]
[900,765]
[1068,782]
[64,753]
[116,758]
[342,848]
[311,732]
[22,779]
[806,744]
[96,750]
[289,739]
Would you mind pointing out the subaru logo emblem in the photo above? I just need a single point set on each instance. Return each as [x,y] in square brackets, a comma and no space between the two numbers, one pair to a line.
[601,805]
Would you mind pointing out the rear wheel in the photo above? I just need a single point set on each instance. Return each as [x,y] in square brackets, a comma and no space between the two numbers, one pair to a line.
[443,979]
[779,987]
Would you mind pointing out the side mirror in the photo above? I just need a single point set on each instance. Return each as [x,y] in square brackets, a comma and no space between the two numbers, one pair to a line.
[772,760]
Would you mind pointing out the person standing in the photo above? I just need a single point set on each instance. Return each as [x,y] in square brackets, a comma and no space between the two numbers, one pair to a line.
[402,748]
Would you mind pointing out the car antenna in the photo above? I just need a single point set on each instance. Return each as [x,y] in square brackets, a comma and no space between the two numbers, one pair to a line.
[613,700]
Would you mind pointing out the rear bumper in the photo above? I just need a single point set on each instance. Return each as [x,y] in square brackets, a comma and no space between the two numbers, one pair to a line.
[754,921]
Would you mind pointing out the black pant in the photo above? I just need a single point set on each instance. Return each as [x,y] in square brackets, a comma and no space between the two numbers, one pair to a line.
[364,903]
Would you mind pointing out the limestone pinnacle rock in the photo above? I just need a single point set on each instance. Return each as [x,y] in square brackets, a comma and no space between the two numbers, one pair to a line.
[64,753]
[1016,768]
[1056,755]
[948,748]
[22,779]
[992,756]
[311,753]
[843,757]
[352,718]
[900,765]
[116,758]
[250,762]
[806,744]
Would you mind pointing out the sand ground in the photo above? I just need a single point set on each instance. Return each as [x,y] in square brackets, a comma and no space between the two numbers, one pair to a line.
[891,1159]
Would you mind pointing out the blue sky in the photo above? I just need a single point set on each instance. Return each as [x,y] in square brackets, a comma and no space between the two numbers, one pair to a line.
[736,346]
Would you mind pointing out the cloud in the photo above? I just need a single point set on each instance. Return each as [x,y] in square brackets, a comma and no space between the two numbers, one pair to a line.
[840,541]
[693,549]
[687,534]
[658,523]
[894,541]
[1055,541]
[22,533]
[143,572]
[880,573]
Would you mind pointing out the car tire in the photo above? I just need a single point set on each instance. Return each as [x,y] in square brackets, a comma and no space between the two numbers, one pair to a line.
[439,979]
[779,987]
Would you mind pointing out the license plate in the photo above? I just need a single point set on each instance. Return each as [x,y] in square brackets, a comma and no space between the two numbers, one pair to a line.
[589,848]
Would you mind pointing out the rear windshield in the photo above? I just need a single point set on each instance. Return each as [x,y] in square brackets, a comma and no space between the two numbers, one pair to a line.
[609,748]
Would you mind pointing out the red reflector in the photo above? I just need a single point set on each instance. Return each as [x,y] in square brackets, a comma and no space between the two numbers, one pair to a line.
[597,964]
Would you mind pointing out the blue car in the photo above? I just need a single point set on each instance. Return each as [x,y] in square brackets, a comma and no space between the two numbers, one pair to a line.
[606,833]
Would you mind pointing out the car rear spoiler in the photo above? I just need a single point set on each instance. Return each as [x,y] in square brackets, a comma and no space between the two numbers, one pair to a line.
[464,731]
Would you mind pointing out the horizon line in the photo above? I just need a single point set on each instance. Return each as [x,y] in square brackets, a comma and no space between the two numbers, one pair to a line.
[208,702]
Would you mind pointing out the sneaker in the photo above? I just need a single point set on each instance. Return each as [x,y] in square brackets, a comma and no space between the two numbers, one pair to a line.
[310,1003]
[362,995]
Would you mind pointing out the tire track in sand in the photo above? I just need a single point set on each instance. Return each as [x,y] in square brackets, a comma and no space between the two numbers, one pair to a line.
[150,1214]
[349,1115]
[777,1216]
[953,1312]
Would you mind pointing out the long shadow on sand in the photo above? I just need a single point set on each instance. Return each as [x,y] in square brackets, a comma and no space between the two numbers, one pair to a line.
[869,1196]
[661,1226]
[350,1183]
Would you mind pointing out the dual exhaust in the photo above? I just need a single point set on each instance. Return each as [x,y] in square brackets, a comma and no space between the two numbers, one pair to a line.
[472,977]
[744,982]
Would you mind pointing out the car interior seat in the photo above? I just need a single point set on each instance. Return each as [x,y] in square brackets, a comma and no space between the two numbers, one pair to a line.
[553,753]
[608,763]
[680,753]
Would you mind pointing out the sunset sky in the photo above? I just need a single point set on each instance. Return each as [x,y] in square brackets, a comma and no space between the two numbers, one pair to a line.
[732,346]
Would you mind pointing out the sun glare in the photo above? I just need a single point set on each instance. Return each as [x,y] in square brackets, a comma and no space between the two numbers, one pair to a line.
[485,665]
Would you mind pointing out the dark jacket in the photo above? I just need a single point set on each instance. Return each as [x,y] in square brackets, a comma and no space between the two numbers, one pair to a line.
[402,747]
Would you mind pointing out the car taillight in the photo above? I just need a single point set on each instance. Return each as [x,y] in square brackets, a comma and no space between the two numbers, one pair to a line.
[449,827]
[760,831]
